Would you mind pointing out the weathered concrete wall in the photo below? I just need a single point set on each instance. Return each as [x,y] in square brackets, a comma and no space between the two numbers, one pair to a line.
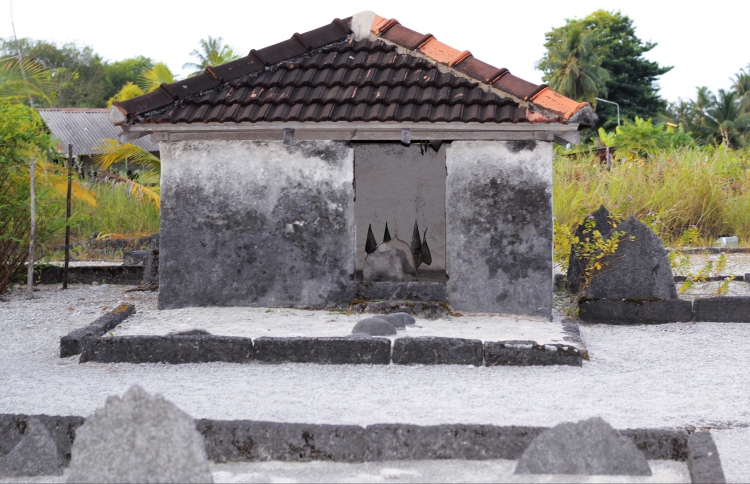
[399,184]
[499,227]
[250,223]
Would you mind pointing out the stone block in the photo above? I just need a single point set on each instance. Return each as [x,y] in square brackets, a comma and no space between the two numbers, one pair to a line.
[722,309]
[374,327]
[118,274]
[139,438]
[588,447]
[703,459]
[167,349]
[659,444]
[71,344]
[336,351]
[618,311]
[243,440]
[640,268]
[423,309]
[498,213]
[151,268]
[413,291]
[384,442]
[136,257]
[256,223]
[429,350]
[529,353]
[35,455]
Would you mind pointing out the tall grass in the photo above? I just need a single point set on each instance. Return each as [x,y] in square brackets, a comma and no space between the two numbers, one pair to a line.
[118,212]
[706,187]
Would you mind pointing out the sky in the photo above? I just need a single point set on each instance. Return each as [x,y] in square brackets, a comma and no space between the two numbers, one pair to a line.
[706,42]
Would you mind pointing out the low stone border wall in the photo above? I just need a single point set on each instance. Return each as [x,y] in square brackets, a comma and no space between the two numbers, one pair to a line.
[246,440]
[724,309]
[338,351]
[115,274]
[71,344]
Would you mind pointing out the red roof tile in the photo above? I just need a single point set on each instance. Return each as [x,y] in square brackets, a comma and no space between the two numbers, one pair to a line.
[325,75]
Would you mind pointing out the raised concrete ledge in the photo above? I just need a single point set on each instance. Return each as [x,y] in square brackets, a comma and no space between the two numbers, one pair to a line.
[339,351]
[71,344]
[529,353]
[114,274]
[246,440]
[619,311]
[725,309]
[167,349]
[703,459]
[427,350]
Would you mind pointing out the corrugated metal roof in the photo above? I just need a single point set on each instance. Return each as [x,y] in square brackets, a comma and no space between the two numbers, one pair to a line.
[84,128]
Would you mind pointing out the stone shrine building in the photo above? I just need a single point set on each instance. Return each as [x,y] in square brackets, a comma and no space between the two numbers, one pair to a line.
[281,171]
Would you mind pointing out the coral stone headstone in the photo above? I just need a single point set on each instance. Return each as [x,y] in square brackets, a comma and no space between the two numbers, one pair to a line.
[588,447]
[603,224]
[139,438]
[640,268]
[35,455]
[391,261]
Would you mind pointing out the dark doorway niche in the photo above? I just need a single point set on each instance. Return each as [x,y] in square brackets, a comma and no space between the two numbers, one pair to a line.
[401,186]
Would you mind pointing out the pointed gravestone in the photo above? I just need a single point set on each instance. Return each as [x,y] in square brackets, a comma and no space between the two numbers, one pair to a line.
[416,245]
[588,447]
[603,224]
[139,438]
[386,234]
[370,244]
[640,268]
[35,455]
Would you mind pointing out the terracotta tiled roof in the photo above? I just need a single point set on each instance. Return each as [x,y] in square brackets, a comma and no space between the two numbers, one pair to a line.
[395,75]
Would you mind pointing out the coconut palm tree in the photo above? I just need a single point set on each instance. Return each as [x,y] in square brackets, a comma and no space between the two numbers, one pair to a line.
[212,52]
[21,80]
[574,67]
[726,119]
[153,78]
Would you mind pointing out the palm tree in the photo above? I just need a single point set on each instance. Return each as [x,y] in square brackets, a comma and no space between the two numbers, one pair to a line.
[212,52]
[573,66]
[22,80]
[153,78]
[726,118]
[111,152]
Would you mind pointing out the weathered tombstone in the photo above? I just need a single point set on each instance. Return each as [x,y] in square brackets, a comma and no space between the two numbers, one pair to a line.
[151,268]
[375,326]
[639,270]
[603,224]
[588,447]
[35,455]
[139,438]
[391,261]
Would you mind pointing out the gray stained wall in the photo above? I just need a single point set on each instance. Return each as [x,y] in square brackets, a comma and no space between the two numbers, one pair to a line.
[256,223]
[499,227]
[400,184]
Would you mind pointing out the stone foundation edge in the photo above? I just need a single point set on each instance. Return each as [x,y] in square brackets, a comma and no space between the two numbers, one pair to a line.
[722,309]
[247,440]
[72,343]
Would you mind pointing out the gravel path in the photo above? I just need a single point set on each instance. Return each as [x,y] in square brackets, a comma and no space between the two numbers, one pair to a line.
[673,375]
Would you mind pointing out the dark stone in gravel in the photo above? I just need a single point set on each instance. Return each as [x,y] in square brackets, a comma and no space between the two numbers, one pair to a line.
[61,429]
[167,349]
[703,459]
[618,311]
[385,442]
[723,309]
[70,344]
[245,440]
[35,455]
[429,350]
[398,320]
[528,353]
[603,224]
[640,268]
[337,351]
[588,447]
[427,310]
[374,327]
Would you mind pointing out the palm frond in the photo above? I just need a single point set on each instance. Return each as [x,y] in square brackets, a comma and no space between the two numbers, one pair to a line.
[111,152]
[133,187]
[21,79]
